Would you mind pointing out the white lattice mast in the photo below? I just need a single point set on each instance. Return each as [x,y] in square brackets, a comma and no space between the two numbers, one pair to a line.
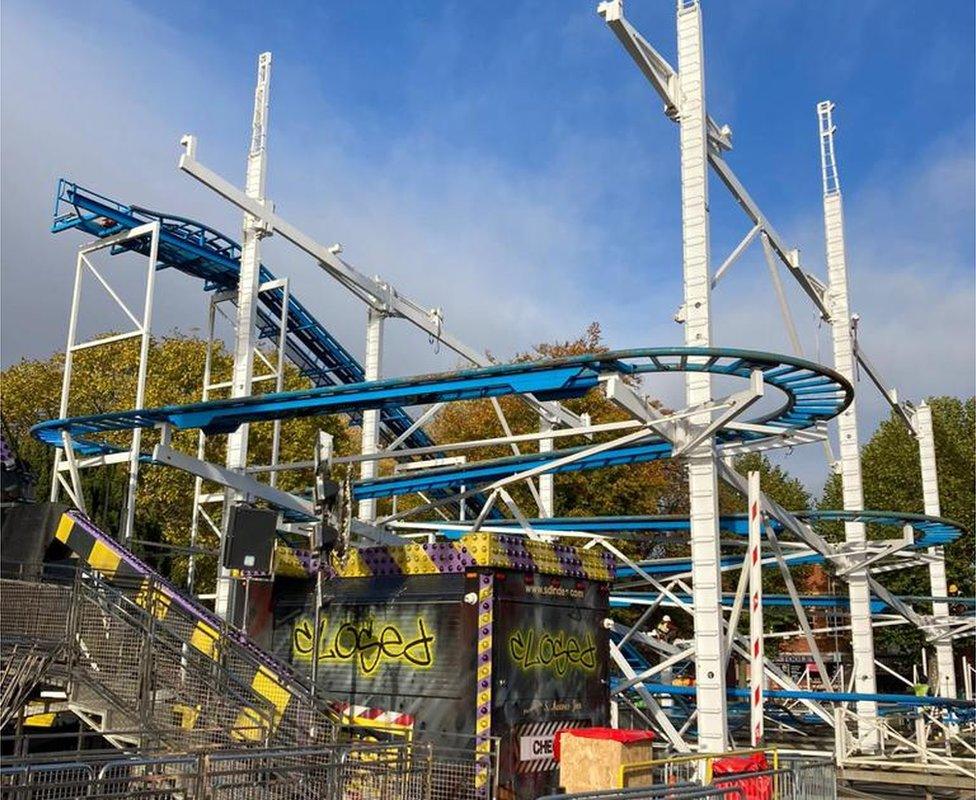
[702,470]
[937,571]
[862,639]
[248,285]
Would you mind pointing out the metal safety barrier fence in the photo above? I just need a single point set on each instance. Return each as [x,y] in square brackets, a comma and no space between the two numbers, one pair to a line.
[131,653]
[336,772]
[676,791]
[785,778]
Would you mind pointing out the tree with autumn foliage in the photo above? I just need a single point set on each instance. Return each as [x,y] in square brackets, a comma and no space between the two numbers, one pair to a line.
[649,488]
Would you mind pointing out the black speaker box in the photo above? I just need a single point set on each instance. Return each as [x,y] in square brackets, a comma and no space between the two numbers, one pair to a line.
[250,539]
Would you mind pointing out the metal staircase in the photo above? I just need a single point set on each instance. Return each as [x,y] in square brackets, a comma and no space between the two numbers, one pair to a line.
[32,641]
[23,668]
[134,654]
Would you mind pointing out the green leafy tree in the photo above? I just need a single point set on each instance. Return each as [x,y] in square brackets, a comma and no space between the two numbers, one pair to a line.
[893,482]
[103,380]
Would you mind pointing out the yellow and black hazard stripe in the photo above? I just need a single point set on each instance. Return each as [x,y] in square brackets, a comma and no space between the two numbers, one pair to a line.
[498,551]
[119,567]
[100,555]
[482,726]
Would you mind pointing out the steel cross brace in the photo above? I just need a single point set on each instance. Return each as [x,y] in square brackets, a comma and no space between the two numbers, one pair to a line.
[75,491]
[250,487]
[912,560]
[474,444]
[650,672]
[626,398]
[658,71]
[797,605]
[769,668]
[683,435]
[737,251]
[733,641]
[664,79]
[861,559]
[777,438]
[736,404]
[375,293]
[814,540]
[653,706]
[647,425]
[956,630]
[238,481]
[740,595]
[642,619]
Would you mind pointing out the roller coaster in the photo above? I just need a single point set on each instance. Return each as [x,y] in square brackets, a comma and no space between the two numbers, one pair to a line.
[466,525]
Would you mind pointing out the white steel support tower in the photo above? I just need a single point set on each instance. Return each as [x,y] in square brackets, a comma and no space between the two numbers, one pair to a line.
[547,489]
[201,518]
[371,417]
[937,572]
[862,638]
[756,650]
[702,470]
[64,457]
[247,295]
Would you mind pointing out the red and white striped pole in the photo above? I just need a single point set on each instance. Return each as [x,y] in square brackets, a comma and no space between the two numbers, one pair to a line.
[756,682]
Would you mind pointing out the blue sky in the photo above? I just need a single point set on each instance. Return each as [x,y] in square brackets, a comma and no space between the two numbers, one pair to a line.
[508,163]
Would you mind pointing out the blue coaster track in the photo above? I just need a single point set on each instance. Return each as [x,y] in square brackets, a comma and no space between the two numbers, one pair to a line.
[812,393]
[202,252]
[930,531]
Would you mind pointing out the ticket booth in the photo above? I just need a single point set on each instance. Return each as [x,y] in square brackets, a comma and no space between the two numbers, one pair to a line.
[489,642]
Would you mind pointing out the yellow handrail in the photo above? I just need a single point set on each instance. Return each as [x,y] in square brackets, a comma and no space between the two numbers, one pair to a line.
[708,758]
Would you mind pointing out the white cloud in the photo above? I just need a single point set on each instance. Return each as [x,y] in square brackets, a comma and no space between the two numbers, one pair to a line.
[911,273]
[506,251]
[514,253]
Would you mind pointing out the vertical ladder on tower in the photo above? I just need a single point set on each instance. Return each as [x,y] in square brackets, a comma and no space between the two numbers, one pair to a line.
[828,159]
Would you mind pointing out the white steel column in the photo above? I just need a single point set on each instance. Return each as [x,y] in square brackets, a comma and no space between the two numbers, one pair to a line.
[198,512]
[280,374]
[702,474]
[937,571]
[862,638]
[247,294]
[69,351]
[371,417]
[756,676]
[546,480]
[130,497]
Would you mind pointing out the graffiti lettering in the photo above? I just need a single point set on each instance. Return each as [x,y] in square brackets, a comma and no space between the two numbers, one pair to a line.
[366,643]
[557,651]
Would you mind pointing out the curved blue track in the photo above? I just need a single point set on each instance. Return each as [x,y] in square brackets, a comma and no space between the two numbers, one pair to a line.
[202,252]
[812,394]
[930,531]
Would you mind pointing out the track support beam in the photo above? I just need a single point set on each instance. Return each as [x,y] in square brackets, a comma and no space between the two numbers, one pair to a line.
[937,568]
[702,475]
[862,638]
[248,284]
